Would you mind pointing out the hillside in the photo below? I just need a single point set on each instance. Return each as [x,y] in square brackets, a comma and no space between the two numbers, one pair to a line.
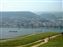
[56,42]
[26,40]
[30,20]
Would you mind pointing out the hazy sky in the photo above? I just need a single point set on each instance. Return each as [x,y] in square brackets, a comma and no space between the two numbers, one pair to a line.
[31,5]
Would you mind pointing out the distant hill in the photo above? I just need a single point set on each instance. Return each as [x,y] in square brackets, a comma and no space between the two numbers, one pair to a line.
[51,15]
[29,19]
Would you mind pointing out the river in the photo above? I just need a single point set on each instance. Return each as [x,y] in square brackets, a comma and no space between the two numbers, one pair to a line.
[5,32]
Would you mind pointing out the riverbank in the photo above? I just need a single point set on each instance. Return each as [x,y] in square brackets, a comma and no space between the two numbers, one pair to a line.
[26,40]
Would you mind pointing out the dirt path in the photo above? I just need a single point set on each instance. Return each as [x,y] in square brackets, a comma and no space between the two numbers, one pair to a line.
[44,41]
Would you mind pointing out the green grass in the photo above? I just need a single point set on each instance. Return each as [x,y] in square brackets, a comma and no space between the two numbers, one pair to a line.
[26,40]
[56,42]
[29,45]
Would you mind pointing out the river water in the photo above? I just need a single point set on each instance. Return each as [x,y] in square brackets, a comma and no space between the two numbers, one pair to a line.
[5,32]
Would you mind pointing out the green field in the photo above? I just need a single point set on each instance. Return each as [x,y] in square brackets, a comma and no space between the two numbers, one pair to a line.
[56,42]
[26,39]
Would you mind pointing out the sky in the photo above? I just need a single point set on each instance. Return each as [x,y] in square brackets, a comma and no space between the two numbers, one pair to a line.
[31,5]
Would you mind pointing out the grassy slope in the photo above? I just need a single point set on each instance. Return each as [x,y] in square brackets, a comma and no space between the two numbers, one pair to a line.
[57,42]
[26,40]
